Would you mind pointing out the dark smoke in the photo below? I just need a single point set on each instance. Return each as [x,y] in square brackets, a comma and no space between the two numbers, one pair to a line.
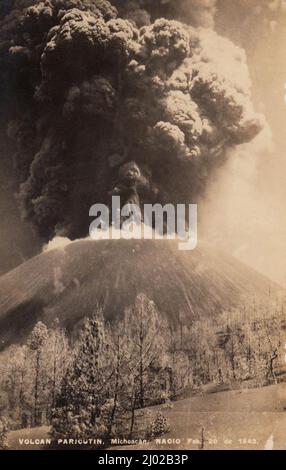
[143,12]
[86,93]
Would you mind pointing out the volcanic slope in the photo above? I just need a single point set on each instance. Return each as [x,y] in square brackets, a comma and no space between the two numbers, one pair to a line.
[69,283]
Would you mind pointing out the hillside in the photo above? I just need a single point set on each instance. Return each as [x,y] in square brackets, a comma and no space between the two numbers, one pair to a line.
[70,282]
[250,419]
[235,420]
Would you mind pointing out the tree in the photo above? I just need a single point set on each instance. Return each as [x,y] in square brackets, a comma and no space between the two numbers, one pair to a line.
[115,370]
[59,355]
[36,344]
[270,375]
[83,404]
[12,377]
[121,352]
[4,428]
[148,364]
[148,343]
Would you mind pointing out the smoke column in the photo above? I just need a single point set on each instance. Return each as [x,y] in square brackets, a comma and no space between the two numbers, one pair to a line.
[91,98]
[250,189]
[198,13]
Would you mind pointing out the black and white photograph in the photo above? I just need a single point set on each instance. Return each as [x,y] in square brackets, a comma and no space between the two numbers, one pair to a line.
[142,225]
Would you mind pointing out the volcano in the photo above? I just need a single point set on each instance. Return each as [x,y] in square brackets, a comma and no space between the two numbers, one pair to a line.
[70,282]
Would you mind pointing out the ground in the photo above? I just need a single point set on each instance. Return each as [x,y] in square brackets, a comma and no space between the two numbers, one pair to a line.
[241,419]
[14,438]
[68,283]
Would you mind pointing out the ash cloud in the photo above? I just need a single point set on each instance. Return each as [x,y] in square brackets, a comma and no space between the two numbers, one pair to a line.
[88,93]
[194,12]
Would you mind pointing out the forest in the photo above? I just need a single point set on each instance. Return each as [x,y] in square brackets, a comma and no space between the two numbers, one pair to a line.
[103,381]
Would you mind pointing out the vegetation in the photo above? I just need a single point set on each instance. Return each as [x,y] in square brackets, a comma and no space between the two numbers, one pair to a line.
[4,428]
[100,384]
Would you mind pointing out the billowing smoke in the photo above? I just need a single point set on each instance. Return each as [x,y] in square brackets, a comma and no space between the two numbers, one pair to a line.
[194,12]
[96,105]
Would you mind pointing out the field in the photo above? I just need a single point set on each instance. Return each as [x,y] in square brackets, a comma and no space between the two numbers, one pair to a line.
[241,419]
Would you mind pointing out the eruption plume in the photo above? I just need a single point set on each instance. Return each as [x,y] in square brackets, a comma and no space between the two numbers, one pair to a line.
[194,12]
[87,94]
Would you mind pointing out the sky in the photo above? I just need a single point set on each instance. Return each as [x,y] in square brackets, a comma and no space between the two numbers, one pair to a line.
[248,217]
